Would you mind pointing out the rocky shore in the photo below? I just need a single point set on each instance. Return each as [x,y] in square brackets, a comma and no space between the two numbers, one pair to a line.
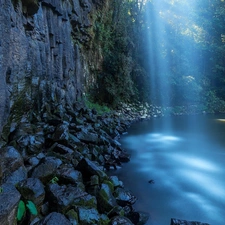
[57,162]
[53,168]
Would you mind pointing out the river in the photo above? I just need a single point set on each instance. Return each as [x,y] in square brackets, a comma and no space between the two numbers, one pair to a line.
[185,156]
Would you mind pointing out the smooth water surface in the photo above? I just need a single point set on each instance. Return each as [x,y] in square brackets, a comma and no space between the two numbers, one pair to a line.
[185,156]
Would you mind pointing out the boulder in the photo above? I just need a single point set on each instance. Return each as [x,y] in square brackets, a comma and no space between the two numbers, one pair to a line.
[106,200]
[46,169]
[62,197]
[32,189]
[9,199]
[124,197]
[53,219]
[88,216]
[120,220]
[138,218]
[184,222]
[12,169]
[89,168]
[67,174]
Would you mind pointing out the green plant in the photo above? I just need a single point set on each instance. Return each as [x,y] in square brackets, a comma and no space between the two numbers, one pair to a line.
[101,109]
[54,180]
[1,190]
[22,209]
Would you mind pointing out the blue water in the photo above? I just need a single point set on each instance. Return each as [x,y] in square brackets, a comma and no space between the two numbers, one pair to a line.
[185,156]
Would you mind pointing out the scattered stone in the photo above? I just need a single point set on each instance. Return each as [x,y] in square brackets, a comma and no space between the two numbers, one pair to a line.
[120,220]
[33,190]
[9,200]
[124,197]
[53,219]
[106,200]
[184,222]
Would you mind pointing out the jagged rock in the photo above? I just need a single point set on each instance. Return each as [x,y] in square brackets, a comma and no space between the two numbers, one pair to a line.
[58,148]
[106,200]
[62,133]
[67,174]
[138,218]
[61,197]
[32,189]
[12,169]
[46,169]
[89,168]
[120,220]
[54,218]
[88,216]
[9,199]
[184,222]
[124,197]
[87,201]
[88,137]
[73,217]
[116,182]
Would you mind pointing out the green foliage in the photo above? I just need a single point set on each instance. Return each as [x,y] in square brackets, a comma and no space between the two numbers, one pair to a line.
[54,180]
[21,210]
[101,109]
[1,190]
[32,208]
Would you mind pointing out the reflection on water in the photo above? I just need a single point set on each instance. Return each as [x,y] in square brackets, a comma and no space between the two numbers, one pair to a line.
[186,161]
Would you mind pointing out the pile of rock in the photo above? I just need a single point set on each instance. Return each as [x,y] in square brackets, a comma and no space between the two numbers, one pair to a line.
[58,161]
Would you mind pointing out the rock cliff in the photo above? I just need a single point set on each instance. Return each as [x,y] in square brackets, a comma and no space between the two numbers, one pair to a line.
[44,54]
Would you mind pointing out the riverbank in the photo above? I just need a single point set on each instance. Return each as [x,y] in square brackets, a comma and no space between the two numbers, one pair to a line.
[53,168]
[57,162]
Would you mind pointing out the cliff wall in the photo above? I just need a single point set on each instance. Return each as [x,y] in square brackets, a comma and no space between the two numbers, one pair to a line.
[45,54]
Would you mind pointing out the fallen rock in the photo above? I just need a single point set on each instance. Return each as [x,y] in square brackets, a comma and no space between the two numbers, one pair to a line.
[184,222]
[124,197]
[62,197]
[106,200]
[9,199]
[53,219]
[89,168]
[12,169]
[46,169]
[32,189]
[120,220]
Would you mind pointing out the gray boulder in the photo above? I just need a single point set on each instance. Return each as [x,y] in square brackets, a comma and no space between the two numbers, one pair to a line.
[9,199]
[184,222]
[53,219]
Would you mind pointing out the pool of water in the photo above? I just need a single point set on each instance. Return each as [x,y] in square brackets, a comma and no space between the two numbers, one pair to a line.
[185,156]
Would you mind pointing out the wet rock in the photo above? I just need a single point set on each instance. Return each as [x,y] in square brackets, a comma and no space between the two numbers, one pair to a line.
[88,137]
[89,168]
[87,201]
[88,216]
[73,217]
[106,200]
[32,189]
[116,182]
[120,220]
[12,167]
[67,174]
[53,219]
[9,199]
[184,222]
[61,149]
[124,197]
[46,169]
[61,133]
[138,218]
[62,197]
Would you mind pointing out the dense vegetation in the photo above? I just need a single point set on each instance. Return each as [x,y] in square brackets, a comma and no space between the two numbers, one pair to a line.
[164,52]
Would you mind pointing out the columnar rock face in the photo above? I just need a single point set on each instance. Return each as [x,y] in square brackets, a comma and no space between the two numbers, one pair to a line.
[41,60]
